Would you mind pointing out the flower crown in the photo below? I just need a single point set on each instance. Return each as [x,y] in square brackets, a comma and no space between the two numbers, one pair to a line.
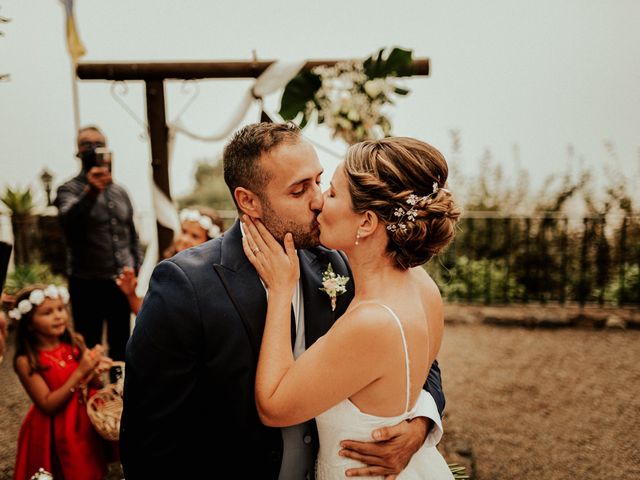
[213,230]
[409,215]
[36,297]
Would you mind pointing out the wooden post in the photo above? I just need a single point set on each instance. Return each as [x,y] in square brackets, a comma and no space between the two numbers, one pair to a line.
[159,135]
[154,75]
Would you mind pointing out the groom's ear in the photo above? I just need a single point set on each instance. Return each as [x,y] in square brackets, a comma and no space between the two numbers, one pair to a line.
[248,202]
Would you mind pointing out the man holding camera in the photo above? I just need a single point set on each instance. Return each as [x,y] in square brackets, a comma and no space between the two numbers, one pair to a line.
[97,218]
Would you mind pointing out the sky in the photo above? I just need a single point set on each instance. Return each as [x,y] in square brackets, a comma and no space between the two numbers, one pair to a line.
[522,79]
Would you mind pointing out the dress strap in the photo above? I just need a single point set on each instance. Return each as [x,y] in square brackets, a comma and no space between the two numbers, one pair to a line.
[406,354]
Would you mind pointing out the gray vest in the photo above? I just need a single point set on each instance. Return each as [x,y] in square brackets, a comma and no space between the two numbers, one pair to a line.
[298,458]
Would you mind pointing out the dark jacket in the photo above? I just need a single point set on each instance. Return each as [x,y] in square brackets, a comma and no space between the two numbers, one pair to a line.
[100,234]
[191,364]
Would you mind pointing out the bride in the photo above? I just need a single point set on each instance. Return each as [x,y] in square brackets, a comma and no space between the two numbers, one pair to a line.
[388,210]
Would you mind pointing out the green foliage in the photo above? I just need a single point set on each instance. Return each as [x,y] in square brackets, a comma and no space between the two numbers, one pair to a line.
[300,90]
[28,274]
[623,287]
[476,280]
[490,190]
[303,90]
[458,471]
[397,63]
[210,190]
[20,202]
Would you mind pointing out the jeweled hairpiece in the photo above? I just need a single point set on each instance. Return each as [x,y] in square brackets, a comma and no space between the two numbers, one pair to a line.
[409,215]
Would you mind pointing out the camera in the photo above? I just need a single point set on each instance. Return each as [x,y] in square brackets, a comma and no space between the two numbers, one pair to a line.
[96,157]
[104,157]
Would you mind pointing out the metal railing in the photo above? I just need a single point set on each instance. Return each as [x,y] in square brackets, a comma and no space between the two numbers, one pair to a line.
[546,258]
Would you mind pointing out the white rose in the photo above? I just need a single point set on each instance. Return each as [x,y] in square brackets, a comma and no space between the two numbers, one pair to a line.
[36,297]
[344,123]
[24,306]
[189,215]
[64,294]
[374,87]
[214,231]
[51,291]
[353,115]
[15,314]
[205,223]
[330,284]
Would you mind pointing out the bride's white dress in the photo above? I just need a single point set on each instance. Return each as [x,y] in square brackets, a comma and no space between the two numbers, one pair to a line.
[346,421]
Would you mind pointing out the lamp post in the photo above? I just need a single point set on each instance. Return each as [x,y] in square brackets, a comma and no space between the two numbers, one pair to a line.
[46,179]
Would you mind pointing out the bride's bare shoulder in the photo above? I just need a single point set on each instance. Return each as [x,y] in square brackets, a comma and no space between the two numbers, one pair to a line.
[367,317]
[421,276]
[429,291]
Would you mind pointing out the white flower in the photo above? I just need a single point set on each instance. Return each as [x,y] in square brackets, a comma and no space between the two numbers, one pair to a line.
[64,294]
[214,231]
[412,199]
[36,297]
[205,222]
[51,291]
[353,115]
[24,306]
[333,285]
[374,87]
[15,314]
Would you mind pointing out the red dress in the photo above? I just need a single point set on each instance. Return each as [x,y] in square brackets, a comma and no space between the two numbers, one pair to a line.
[65,443]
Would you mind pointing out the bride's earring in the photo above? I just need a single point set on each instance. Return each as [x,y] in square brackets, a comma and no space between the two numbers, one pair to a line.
[358,237]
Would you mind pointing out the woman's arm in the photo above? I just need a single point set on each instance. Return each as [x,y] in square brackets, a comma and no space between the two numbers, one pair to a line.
[352,355]
[50,401]
[344,361]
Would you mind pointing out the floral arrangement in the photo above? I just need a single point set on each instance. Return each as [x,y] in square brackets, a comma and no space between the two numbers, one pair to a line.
[349,97]
[192,215]
[333,285]
[36,297]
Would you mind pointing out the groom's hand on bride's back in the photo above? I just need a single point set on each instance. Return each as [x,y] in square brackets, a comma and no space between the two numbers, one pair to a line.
[390,451]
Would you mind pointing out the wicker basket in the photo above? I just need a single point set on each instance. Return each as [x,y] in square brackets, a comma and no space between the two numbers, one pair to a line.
[105,406]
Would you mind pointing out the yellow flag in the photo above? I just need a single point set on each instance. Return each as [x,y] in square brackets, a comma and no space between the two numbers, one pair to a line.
[74,44]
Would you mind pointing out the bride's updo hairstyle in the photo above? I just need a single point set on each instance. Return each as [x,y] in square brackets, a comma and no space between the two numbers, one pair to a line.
[402,180]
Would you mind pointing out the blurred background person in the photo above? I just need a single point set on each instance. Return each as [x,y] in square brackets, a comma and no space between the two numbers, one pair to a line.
[97,218]
[198,224]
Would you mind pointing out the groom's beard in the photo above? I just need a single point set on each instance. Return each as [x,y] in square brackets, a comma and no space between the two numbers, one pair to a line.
[304,235]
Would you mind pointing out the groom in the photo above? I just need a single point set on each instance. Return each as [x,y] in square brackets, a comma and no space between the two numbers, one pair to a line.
[191,361]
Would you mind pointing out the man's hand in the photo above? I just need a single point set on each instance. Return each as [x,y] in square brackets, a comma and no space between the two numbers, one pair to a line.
[98,178]
[127,281]
[391,450]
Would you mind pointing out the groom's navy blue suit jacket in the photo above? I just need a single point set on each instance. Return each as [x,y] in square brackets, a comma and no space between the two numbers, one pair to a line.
[189,406]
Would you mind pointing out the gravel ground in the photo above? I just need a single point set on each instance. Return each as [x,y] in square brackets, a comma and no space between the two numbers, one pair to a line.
[540,404]
[544,404]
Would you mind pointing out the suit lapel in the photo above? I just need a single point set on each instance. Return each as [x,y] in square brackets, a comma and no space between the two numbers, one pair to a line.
[318,316]
[248,296]
[243,286]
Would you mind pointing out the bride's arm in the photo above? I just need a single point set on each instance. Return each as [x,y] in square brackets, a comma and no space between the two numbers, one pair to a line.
[338,365]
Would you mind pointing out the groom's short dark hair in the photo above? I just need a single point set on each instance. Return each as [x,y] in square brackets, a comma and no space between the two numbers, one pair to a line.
[241,155]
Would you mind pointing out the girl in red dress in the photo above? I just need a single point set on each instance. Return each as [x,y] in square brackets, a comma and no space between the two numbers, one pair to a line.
[52,362]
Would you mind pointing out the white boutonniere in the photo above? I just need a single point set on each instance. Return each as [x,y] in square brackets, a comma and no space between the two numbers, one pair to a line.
[333,285]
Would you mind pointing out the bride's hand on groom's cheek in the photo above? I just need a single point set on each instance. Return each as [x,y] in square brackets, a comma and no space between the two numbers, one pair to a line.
[277,267]
[391,451]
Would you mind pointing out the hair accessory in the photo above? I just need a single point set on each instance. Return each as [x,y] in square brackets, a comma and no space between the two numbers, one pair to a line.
[36,297]
[191,215]
[405,216]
